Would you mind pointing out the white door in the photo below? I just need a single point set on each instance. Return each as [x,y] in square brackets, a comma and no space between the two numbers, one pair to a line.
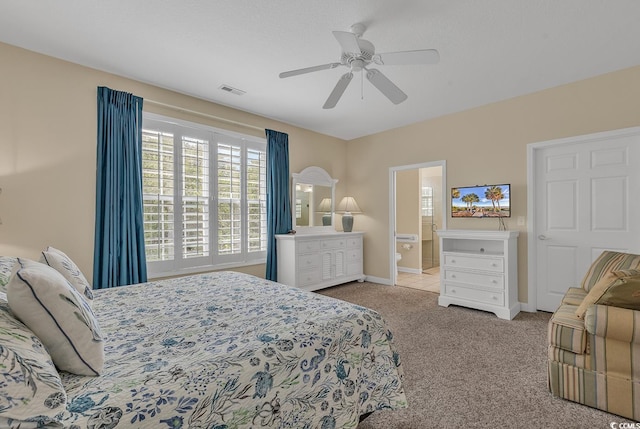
[587,193]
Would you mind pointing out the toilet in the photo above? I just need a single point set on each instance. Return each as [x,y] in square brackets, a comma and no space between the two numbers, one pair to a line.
[405,241]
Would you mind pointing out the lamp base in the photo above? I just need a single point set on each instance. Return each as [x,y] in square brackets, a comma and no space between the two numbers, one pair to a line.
[326,219]
[347,222]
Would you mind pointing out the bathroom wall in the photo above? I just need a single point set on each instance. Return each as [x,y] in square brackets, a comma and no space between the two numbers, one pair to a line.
[408,217]
[432,177]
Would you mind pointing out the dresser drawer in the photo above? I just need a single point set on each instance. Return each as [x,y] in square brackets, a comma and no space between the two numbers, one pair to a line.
[495,298]
[333,244]
[354,243]
[354,268]
[308,261]
[480,279]
[354,256]
[473,262]
[308,277]
[308,246]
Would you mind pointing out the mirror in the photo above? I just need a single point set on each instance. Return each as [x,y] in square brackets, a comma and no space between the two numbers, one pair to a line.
[313,199]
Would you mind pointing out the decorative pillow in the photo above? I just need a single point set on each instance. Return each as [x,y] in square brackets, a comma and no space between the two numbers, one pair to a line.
[623,293]
[31,392]
[64,265]
[607,262]
[609,280]
[47,303]
[6,266]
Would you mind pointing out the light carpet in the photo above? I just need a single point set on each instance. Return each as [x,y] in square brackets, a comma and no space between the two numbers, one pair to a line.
[466,368]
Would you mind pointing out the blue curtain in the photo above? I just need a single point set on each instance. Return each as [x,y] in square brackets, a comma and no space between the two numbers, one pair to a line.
[119,256]
[278,197]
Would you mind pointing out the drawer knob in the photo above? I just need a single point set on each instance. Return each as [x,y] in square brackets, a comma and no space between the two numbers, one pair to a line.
[453,261]
[494,265]
[453,291]
[453,276]
[495,298]
[494,281]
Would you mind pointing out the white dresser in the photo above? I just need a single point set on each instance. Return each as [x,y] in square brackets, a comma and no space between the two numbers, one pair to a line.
[314,261]
[479,269]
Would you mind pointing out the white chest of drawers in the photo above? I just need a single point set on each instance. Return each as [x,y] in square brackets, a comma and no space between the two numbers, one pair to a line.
[316,261]
[480,270]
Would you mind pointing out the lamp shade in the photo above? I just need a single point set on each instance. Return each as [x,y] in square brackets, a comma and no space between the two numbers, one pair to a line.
[349,204]
[325,205]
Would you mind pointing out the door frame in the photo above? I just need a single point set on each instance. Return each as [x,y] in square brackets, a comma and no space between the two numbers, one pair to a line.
[392,207]
[532,228]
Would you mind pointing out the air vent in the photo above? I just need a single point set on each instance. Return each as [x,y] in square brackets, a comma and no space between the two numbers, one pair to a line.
[231,89]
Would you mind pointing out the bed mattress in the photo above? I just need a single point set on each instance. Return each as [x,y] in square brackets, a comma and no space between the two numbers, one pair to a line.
[230,350]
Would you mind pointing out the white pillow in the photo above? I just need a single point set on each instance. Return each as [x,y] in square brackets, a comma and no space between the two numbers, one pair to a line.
[46,302]
[64,265]
[31,392]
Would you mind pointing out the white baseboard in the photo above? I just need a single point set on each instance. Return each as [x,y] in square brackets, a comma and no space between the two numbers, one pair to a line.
[528,308]
[380,280]
[409,270]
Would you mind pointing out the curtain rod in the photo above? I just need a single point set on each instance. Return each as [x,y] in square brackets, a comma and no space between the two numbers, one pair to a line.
[206,115]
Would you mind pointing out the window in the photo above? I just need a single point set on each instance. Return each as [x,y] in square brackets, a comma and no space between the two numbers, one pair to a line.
[204,194]
[427,201]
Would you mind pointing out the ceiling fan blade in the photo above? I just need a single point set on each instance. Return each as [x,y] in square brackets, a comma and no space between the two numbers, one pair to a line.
[385,86]
[423,56]
[308,70]
[348,41]
[337,92]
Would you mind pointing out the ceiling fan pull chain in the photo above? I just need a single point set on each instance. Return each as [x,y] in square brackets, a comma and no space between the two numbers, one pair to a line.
[362,84]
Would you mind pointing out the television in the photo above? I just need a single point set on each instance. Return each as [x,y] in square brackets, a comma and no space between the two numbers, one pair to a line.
[487,201]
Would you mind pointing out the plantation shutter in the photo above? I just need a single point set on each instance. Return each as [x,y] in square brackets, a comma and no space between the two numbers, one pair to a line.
[158,189]
[229,203]
[256,200]
[195,197]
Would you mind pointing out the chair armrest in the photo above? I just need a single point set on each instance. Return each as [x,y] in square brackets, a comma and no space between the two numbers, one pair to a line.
[615,323]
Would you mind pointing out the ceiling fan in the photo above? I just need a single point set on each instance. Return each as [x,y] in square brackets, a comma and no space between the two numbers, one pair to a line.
[357,55]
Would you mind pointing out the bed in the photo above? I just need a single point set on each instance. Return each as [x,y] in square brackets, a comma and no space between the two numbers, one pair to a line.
[230,350]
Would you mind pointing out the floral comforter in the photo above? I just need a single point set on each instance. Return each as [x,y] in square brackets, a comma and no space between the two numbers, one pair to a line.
[229,350]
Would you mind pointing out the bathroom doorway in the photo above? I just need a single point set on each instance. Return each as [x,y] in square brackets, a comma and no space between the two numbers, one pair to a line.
[418,210]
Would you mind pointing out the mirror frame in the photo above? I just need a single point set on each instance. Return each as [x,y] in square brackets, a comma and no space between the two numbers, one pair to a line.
[313,176]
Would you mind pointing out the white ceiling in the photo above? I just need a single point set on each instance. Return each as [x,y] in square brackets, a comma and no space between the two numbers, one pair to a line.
[490,50]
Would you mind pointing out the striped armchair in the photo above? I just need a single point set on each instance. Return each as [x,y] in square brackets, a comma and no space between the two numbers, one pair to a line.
[594,349]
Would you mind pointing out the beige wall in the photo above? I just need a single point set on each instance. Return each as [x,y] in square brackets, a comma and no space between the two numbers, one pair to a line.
[485,145]
[48,150]
[408,216]
[48,145]
[432,177]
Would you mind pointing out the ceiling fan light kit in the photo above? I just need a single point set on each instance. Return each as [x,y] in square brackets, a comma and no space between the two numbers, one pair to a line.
[357,55]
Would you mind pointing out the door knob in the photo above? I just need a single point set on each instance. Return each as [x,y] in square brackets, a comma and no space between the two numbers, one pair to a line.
[542,237]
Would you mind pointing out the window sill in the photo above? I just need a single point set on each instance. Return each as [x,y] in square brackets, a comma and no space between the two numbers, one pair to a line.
[159,275]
